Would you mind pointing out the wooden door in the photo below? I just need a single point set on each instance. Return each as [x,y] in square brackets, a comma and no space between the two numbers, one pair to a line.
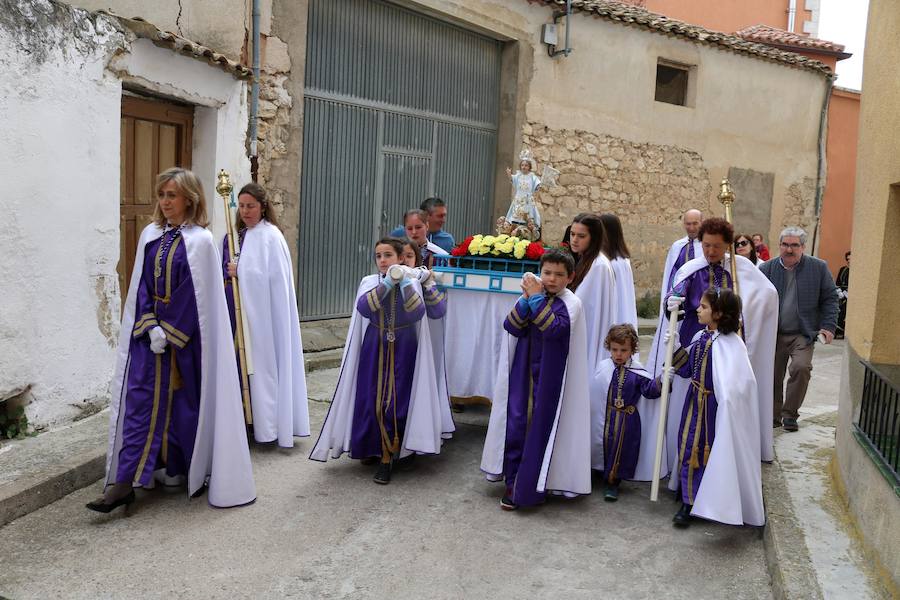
[155,136]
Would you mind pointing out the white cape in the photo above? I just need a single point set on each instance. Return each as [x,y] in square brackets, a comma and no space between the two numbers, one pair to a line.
[626,306]
[649,411]
[221,456]
[597,293]
[731,489]
[424,419]
[671,257]
[269,303]
[567,460]
[759,300]
[438,346]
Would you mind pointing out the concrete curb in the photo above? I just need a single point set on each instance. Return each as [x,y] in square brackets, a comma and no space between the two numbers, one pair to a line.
[787,557]
[29,494]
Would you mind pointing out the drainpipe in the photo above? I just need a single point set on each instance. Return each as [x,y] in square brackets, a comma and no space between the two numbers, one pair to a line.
[254,95]
[792,14]
[821,171]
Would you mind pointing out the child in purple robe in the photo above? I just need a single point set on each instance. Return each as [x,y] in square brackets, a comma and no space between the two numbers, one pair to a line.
[539,435]
[628,383]
[723,446]
[385,405]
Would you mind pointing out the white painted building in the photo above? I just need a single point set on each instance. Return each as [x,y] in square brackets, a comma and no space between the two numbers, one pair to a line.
[93,106]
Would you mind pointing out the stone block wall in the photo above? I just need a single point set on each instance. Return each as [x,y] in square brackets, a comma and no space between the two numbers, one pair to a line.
[273,130]
[647,185]
[800,208]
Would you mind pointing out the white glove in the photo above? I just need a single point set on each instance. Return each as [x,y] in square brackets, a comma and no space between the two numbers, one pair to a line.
[665,339]
[423,274]
[157,340]
[674,302]
[529,275]
[668,374]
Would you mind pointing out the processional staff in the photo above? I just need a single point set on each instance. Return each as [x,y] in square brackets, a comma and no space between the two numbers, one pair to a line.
[726,197]
[242,337]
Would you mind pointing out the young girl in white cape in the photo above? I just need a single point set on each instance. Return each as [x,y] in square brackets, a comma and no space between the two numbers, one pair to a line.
[595,285]
[718,466]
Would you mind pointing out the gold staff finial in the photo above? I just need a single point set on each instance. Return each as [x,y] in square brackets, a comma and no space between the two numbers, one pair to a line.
[726,194]
[223,184]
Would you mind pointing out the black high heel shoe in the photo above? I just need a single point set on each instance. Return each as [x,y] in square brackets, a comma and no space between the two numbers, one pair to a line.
[102,507]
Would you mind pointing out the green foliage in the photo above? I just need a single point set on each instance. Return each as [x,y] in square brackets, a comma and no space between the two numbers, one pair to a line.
[13,423]
[648,306]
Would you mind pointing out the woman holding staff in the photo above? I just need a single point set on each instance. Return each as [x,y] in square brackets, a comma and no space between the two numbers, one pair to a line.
[269,303]
[175,412]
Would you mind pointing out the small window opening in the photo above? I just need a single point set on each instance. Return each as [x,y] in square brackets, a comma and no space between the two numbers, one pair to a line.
[671,84]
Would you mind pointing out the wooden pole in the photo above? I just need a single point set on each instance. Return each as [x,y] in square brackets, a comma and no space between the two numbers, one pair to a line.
[224,189]
[663,406]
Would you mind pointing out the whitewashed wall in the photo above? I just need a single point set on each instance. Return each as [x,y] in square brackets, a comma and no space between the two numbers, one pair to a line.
[61,107]
[59,304]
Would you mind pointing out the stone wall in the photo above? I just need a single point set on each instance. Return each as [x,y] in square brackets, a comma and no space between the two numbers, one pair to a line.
[647,186]
[273,130]
[800,207]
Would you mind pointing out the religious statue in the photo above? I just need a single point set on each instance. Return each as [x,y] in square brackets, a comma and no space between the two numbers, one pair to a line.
[523,219]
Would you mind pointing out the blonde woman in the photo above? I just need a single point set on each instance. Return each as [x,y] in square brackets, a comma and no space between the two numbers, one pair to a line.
[175,410]
[269,304]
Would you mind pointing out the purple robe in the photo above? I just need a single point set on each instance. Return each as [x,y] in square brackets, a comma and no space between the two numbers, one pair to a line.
[697,431]
[162,397]
[622,431]
[536,377]
[386,368]
[684,255]
[435,302]
[692,289]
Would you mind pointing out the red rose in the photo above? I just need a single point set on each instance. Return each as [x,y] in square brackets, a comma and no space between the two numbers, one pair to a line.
[463,247]
[534,251]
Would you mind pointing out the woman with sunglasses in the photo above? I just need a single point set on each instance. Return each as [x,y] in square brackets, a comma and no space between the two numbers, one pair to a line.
[743,245]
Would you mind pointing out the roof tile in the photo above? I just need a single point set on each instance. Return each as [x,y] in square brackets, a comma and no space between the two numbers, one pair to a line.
[636,16]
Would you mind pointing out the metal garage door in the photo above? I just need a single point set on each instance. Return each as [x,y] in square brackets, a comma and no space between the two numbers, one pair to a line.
[398,107]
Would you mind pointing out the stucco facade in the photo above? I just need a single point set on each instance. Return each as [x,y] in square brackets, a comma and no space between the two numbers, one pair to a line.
[731,122]
[873,312]
[59,321]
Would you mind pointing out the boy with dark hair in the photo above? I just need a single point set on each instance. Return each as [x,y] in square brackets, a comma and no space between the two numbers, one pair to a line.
[543,361]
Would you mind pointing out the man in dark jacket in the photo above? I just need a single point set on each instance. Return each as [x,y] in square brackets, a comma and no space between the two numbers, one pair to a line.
[808,307]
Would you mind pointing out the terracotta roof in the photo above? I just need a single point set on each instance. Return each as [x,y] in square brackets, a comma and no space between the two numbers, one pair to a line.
[172,41]
[773,36]
[628,14]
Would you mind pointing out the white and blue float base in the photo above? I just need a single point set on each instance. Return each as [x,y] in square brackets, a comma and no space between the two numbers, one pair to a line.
[480,295]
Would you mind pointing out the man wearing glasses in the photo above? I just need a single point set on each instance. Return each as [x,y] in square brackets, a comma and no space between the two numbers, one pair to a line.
[808,308]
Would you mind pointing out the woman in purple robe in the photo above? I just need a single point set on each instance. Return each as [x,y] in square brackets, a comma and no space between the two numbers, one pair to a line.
[719,312]
[154,421]
[716,235]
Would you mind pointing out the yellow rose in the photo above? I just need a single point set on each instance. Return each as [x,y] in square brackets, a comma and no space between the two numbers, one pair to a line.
[519,251]
[475,245]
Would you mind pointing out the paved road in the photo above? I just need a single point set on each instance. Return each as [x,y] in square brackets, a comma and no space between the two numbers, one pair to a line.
[327,531]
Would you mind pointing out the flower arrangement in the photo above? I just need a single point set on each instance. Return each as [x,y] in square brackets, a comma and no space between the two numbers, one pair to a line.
[499,246]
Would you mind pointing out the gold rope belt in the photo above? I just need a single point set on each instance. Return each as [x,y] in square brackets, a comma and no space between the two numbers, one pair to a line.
[628,410]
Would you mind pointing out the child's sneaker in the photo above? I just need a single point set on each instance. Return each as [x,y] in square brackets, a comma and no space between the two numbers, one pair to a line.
[611,493]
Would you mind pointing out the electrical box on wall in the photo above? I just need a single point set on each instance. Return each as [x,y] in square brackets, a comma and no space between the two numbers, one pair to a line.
[548,34]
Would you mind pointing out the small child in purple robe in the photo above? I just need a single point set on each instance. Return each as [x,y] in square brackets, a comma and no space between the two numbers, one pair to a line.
[628,382]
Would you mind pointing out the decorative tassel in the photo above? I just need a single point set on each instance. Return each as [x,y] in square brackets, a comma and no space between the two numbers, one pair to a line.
[706,451]
[694,462]
[177,382]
